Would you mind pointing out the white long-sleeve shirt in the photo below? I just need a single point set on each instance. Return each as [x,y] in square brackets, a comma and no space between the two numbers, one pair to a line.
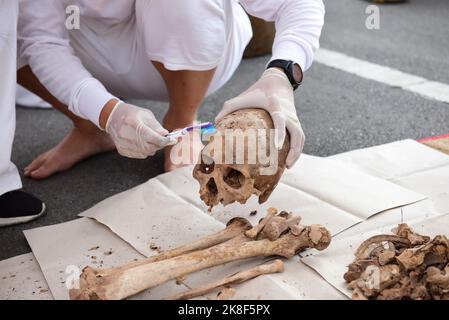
[109,55]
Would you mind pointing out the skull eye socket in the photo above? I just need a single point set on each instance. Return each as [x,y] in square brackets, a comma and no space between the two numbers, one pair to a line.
[234,178]
[207,165]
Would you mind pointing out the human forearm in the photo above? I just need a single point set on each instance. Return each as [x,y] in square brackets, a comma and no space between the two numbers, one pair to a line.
[298,27]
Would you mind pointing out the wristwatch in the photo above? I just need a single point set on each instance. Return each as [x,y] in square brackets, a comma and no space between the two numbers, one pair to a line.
[291,69]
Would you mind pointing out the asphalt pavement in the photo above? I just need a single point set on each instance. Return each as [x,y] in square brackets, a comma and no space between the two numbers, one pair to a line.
[339,111]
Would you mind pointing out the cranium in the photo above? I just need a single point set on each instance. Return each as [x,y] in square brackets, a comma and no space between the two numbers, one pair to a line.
[225,182]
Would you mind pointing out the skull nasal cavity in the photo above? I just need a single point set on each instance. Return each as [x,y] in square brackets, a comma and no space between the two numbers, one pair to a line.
[212,187]
[234,178]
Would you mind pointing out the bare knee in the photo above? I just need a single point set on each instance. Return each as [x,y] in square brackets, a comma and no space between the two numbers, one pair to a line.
[185,87]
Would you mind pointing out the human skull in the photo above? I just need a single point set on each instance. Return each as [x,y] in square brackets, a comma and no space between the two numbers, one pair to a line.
[226,182]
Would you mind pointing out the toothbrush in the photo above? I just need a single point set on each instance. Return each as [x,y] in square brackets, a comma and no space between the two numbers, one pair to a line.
[205,127]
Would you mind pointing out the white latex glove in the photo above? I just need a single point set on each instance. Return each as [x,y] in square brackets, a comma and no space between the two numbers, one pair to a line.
[274,93]
[135,131]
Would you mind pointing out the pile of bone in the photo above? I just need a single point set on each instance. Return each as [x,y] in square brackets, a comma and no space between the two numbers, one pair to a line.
[275,235]
[405,265]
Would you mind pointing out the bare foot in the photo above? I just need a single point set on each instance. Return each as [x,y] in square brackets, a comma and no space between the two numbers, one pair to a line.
[77,145]
[185,153]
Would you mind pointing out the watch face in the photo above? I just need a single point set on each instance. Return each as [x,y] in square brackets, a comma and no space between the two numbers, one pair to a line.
[297,73]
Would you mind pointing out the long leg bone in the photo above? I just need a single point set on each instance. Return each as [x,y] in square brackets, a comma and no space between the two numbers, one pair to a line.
[234,227]
[273,267]
[122,282]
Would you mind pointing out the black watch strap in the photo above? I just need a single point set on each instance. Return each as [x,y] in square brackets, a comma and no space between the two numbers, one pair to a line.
[287,66]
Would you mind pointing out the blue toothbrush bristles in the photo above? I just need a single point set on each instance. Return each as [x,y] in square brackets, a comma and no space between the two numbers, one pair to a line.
[209,129]
[205,127]
[202,126]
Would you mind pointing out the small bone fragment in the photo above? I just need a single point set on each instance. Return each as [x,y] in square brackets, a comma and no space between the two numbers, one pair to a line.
[386,257]
[364,250]
[413,257]
[278,225]
[273,267]
[403,230]
[254,231]
[375,279]
[226,294]
[438,277]
[180,280]
[355,269]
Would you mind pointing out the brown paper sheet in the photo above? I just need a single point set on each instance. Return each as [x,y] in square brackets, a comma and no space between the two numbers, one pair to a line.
[166,211]
[22,279]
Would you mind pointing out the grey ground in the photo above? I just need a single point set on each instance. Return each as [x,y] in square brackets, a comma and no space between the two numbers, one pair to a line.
[339,112]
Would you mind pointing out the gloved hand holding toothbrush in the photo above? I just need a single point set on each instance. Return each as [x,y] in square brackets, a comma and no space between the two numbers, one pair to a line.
[134,130]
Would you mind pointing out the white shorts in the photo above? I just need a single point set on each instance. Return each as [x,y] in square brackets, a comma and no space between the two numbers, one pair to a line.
[163,31]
